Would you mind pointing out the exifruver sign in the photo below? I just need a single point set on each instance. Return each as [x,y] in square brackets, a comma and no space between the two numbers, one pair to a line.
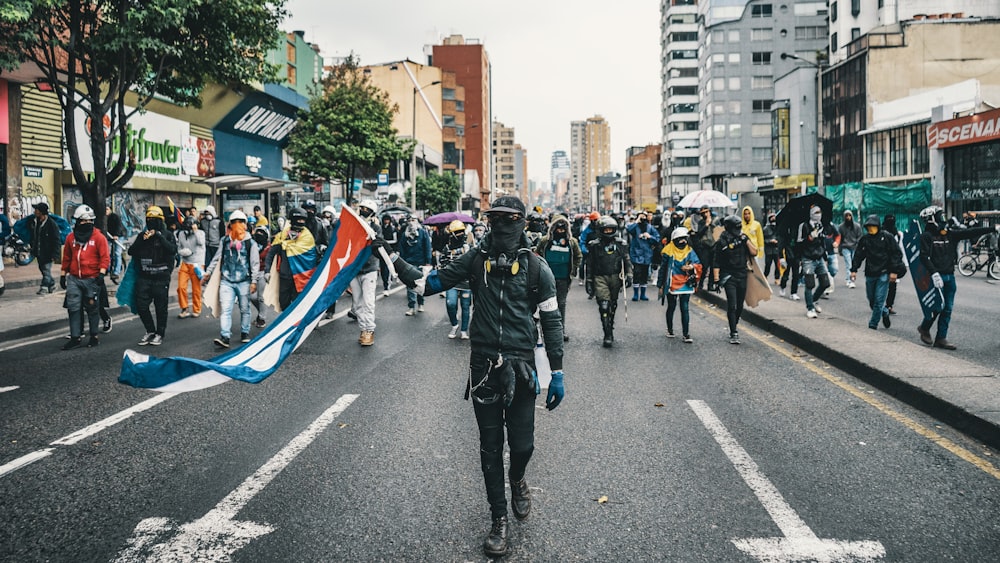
[964,130]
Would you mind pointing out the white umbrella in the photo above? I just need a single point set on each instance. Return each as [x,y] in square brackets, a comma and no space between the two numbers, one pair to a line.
[710,198]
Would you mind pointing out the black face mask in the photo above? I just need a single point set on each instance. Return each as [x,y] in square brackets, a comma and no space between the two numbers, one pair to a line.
[506,235]
[365,212]
[260,238]
[560,233]
[154,224]
[680,243]
[83,231]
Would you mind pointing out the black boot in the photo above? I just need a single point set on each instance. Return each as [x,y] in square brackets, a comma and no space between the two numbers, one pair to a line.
[495,544]
[520,499]
[603,307]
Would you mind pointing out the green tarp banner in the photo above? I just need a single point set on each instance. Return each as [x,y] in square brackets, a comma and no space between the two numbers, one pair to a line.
[905,202]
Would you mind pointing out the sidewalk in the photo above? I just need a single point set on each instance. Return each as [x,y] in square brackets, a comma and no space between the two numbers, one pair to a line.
[965,395]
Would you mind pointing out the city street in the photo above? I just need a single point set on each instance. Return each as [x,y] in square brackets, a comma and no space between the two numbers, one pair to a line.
[661,451]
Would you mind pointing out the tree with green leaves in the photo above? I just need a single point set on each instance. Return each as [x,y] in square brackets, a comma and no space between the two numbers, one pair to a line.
[437,193]
[347,132]
[96,52]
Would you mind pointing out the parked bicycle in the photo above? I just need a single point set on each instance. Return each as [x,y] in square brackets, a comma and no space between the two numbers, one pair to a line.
[981,256]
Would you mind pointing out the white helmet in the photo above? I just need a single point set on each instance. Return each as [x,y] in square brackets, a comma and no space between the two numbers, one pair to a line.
[370,204]
[85,212]
[237,215]
[929,212]
[329,209]
[679,232]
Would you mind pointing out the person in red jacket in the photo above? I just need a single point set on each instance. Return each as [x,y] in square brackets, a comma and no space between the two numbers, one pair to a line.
[85,262]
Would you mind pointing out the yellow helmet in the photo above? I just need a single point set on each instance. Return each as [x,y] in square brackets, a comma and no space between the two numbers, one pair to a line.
[154,212]
[455,226]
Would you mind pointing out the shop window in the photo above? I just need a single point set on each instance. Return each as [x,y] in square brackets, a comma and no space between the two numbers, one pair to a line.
[897,152]
[875,155]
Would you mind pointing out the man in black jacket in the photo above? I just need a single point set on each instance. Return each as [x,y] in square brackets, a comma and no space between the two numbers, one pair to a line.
[938,255]
[508,283]
[883,261]
[155,249]
[45,245]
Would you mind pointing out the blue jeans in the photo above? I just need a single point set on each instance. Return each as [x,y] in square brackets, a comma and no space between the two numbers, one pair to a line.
[46,270]
[877,288]
[944,317]
[228,293]
[452,298]
[413,299]
[811,270]
[831,265]
[848,258]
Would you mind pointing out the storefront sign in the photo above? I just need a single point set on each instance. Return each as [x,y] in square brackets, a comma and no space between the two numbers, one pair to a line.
[964,130]
[154,140]
[254,163]
[794,182]
[260,117]
[32,172]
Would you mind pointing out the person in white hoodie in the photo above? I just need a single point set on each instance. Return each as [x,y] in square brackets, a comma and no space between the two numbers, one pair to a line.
[191,249]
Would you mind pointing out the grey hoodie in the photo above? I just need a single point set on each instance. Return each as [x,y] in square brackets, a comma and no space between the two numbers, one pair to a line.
[193,241]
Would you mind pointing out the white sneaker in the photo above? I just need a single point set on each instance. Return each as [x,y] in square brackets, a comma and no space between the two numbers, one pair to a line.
[851,285]
[795,297]
[465,335]
[781,292]
[385,293]
[817,309]
[410,312]
[454,332]
[811,313]
[420,308]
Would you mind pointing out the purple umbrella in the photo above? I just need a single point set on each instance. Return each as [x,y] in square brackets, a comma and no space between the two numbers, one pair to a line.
[445,218]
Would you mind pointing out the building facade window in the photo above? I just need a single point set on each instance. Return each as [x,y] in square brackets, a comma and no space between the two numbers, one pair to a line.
[855,7]
[734,83]
[761,58]
[810,32]
[760,130]
[718,36]
[761,34]
[855,33]
[447,93]
[448,120]
[684,36]
[833,12]
[734,107]
[875,155]
[734,58]
[897,152]
[683,55]
[686,161]
[919,156]
[761,106]
[833,41]
[760,11]
[735,155]
[762,154]
[734,36]
[761,82]
[734,130]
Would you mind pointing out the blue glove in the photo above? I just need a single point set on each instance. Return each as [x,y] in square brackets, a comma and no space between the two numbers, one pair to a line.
[556,390]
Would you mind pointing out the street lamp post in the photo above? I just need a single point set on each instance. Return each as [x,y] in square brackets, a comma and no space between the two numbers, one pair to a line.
[819,113]
[413,159]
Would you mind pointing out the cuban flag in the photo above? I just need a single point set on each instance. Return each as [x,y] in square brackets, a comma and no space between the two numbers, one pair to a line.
[348,251]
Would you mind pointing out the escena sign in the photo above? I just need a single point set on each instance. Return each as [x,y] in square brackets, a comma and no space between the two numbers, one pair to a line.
[964,130]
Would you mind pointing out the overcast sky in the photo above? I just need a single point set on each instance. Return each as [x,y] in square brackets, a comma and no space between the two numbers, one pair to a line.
[553,61]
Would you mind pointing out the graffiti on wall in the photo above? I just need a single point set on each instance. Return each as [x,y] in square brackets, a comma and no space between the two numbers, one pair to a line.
[131,207]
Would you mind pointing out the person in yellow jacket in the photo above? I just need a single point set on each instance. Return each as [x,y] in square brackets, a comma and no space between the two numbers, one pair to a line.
[752,229]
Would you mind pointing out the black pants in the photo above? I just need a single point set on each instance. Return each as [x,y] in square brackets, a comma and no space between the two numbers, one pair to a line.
[891,297]
[287,292]
[519,420]
[152,291]
[685,301]
[793,269]
[640,275]
[770,259]
[736,294]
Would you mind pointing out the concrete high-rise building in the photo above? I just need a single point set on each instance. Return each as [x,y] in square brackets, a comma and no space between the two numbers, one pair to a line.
[679,91]
[468,59]
[643,179]
[559,168]
[503,161]
[590,156]
[740,57]
[521,184]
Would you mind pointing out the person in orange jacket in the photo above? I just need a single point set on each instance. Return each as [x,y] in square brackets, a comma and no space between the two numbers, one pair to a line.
[85,261]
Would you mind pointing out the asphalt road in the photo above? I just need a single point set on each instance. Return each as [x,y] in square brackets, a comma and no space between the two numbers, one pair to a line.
[662,451]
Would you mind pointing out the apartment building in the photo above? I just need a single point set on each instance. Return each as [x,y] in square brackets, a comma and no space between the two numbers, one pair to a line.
[680,106]
[504,161]
[590,156]
[642,177]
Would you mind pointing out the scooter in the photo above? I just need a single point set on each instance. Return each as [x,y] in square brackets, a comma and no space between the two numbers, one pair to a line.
[16,248]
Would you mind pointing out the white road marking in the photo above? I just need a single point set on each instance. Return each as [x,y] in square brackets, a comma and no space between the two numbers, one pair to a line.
[799,542]
[28,459]
[5,389]
[216,536]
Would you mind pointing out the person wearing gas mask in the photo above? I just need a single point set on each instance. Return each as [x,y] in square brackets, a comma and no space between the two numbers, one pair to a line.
[262,236]
[678,279]
[328,218]
[508,283]
[154,249]
[85,261]
[938,254]
[732,253]
[415,249]
[562,253]
[191,249]
[456,246]
[536,228]
[850,233]
[238,261]
[294,243]
[609,270]
[478,232]
[315,226]
[883,260]
[810,246]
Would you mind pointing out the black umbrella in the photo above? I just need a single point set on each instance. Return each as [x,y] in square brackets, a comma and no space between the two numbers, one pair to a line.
[796,212]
